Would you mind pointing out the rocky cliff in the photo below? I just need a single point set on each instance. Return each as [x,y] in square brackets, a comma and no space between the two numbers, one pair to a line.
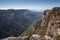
[48,29]
[51,20]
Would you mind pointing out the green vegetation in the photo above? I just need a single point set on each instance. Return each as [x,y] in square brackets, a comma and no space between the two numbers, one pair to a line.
[51,35]
[57,37]
[37,29]
[30,31]
[40,31]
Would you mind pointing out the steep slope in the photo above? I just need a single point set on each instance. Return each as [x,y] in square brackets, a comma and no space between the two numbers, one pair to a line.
[35,28]
[51,20]
[31,29]
[14,22]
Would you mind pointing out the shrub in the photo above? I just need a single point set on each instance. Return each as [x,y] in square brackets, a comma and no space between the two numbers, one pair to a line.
[40,31]
[57,37]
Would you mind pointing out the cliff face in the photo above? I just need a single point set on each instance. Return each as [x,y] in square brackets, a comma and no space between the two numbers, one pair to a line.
[51,20]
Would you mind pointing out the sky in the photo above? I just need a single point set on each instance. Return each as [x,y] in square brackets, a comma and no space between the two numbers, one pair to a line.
[29,4]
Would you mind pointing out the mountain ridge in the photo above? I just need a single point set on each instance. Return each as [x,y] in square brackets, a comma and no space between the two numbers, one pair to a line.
[16,21]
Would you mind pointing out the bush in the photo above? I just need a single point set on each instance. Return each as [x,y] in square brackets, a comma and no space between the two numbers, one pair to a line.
[40,31]
[57,37]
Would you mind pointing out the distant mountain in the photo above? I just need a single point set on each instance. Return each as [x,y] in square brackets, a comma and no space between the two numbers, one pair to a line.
[14,22]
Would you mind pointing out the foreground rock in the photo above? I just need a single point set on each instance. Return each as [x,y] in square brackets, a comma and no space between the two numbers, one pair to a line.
[33,37]
[16,38]
[9,38]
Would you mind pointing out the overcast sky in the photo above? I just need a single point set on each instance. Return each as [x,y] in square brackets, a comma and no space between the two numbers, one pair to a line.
[29,4]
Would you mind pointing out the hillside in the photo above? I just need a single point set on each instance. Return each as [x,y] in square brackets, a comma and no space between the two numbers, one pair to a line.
[14,22]
[32,28]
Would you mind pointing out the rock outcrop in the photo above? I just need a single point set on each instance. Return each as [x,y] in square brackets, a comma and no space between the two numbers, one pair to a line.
[33,37]
[51,20]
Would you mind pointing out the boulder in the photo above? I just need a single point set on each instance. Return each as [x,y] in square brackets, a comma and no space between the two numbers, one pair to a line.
[35,37]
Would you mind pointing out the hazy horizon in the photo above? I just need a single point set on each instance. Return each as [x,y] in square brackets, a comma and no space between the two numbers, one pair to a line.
[29,4]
